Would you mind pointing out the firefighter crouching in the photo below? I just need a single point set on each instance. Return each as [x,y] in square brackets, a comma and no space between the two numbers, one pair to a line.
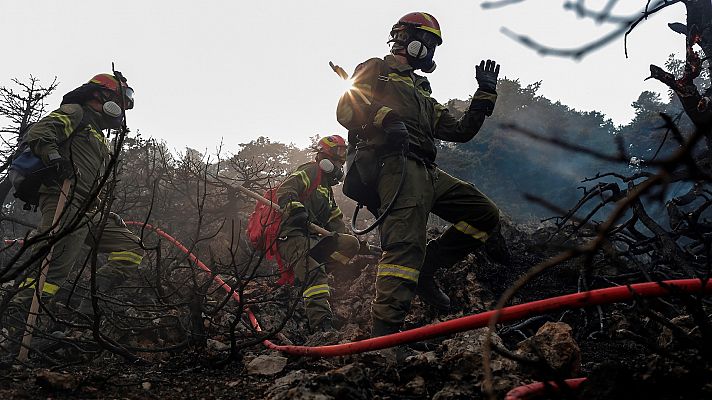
[307,196]
[394,114]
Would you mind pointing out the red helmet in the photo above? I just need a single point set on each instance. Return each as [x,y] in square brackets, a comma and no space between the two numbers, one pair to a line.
[109,82]
[419,20]
[334,147]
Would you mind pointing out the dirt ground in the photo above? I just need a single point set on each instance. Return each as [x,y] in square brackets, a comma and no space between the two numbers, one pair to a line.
[622,351]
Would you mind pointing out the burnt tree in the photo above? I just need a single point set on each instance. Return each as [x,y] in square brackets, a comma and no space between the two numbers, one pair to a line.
[21,107]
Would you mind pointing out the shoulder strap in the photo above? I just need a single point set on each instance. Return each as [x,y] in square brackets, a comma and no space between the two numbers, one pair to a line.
[312,186]
[315,183]
[382,79]
[82,125]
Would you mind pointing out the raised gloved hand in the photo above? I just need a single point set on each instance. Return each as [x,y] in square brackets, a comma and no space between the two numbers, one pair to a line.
[396,134]
[63,168]
[486,75]
[117,219]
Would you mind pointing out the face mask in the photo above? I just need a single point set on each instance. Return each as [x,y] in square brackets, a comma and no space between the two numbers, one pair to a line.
[334,173]
[420,52]
[420,57]
[113,115]
[336,176]
[326,165]
[111,109]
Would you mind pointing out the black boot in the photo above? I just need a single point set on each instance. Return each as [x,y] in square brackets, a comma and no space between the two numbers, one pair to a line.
[430,293]
[12,327]
[323,333]
[397,354]
[496,247]
[326,325]
[428,289]
[383,328]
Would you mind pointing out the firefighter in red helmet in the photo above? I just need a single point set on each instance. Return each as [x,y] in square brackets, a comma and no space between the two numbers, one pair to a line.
[70,141]
[307,196]
[395,114]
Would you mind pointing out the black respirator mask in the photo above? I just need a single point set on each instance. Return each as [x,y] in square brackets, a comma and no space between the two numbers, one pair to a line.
[334,173]
[420,49]
[113,114]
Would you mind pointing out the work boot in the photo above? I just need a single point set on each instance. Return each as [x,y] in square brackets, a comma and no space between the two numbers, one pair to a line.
[428,289]
[394,355]
[326,326]
[12,328]
[497,249]
[383,328]
[323,333]
[430,293]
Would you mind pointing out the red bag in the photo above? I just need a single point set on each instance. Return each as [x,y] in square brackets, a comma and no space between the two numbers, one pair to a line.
[263,229]
[263,221]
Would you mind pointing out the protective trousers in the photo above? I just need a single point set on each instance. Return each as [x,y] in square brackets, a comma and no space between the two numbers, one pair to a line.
[124,252]
[310,273]
[403,232]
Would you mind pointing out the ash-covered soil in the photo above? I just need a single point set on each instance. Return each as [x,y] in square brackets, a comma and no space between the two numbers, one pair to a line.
[624,349]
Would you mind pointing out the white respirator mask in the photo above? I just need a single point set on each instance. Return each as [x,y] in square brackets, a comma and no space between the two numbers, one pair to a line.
[326,165]
[111,109]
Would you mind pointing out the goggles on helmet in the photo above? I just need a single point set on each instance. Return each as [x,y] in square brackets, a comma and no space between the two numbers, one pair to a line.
[111,84]
[430,40]
[128,97]
[340,152]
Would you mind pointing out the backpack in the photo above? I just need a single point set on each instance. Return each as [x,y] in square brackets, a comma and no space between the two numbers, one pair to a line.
[27,172]
[362,164]
[263,228]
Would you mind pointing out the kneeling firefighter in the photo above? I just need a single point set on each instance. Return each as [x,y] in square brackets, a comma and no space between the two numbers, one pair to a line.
[306,196]
[393,124]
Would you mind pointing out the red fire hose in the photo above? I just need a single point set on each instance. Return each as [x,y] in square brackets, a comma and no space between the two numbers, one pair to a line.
[507,314]
[537,389]
[520,311]
[204,267]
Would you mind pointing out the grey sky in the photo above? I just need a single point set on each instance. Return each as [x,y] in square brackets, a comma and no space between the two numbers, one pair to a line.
[203,70]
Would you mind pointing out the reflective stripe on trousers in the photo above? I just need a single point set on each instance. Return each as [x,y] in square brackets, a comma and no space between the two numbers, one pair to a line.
[312,291]
[470,230]
[398,271]
[48,288]
[129,256]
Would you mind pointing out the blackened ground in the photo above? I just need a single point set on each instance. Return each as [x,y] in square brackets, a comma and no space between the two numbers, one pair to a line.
[625,354]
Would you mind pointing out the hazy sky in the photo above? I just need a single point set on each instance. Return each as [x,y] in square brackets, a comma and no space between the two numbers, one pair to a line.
[206,70]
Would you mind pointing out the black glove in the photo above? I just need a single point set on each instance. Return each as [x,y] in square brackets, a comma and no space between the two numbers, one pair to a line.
[299,218]
[396,134]
[117,219]
[486,75]
[63,168]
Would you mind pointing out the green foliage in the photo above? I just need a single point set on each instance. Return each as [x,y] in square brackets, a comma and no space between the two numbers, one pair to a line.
[282,158]
[505,164]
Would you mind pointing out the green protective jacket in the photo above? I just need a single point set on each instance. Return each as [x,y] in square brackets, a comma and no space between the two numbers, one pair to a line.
[88,148]
[396,92]
[320,204]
